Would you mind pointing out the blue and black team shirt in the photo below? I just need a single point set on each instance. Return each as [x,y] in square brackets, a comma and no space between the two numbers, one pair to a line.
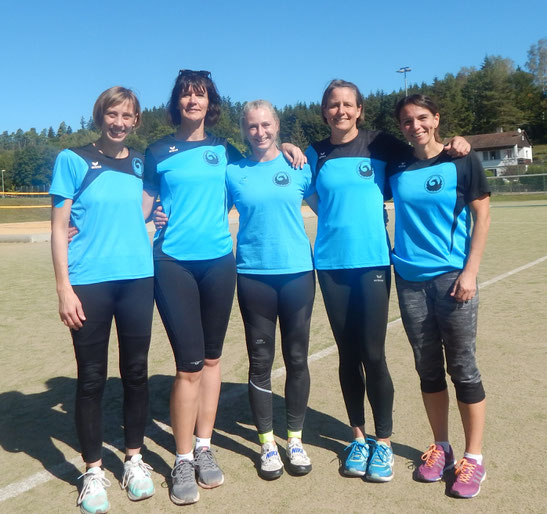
[350,180]
[432,215]
[190,177]
[268,196]
[112,242]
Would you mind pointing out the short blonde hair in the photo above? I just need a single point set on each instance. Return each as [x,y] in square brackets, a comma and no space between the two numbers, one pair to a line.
[251,106]
[114,96]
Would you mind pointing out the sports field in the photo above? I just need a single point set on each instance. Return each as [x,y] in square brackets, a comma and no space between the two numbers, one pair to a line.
[38,447]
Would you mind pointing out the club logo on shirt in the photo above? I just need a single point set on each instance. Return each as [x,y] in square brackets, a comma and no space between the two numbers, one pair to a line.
[211,158]
[322,155]
[95,165]
[402,165]
[434,184]
[281,178]
[364,169]
[137,166]
[173,149]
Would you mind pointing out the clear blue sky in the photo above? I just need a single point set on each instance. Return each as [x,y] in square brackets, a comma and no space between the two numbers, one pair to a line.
[58,56]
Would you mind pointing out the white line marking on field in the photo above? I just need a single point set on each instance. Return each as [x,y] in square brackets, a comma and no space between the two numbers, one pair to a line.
[17,488]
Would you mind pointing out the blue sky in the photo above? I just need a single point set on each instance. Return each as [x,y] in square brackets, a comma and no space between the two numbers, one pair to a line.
[58,56]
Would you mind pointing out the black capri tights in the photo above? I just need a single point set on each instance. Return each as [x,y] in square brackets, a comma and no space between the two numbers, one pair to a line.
[357,306]
[262,299]
[194,299]
[130,303]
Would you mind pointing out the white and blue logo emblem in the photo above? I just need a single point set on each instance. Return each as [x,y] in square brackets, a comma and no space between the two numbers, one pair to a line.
[365,169]
[137,166]
[211,158]
[281,178]
[434,184]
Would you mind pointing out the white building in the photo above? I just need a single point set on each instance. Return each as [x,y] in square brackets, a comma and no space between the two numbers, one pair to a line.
[502,149]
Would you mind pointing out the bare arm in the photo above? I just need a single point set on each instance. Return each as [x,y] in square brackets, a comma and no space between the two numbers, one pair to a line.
[458,147]
[294,154]
[70,307]
[465,286]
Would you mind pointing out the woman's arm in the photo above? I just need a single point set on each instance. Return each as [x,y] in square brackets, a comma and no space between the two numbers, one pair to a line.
[70,307]
[294,155]
[457,147]
[465,286]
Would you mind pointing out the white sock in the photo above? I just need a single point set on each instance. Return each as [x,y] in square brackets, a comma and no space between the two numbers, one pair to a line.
[444,444]
[203,442]
[477,458]
[183,456]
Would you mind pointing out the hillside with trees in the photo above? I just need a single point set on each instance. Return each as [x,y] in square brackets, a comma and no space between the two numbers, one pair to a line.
[496,96]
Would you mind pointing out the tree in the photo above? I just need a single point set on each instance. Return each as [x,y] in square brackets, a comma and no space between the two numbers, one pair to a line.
[50,133]
[33,165]
[61,131]
[537,63]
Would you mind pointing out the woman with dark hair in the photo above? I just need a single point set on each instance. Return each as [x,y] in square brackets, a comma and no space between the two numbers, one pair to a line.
[106,273]
[352,258]
[195,271]
[436,259]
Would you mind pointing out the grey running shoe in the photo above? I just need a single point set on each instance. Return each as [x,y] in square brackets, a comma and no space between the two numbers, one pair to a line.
[271,466]
[299,462]
[184,488]
[208,472]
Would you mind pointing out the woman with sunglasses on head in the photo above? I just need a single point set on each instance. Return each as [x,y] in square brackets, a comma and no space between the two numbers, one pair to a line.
[436,259]
[352,258]
[195,271]
[106,273]
[275,279]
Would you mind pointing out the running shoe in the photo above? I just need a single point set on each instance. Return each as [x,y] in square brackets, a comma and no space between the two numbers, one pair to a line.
[380,464]
[436,462]
[469,477]
[137,479]
[208,472]
[299,462]
[184,488]
[271,466]
[93,498]
[357,460]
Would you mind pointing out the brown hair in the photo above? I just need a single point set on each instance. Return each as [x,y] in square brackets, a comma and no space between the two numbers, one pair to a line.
[336,83]
[197,81]
[421,101]
[114,96]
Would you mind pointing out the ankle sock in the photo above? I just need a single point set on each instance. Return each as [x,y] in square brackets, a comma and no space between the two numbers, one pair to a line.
[183,456]
[203,442]
[477,458]
[444,444]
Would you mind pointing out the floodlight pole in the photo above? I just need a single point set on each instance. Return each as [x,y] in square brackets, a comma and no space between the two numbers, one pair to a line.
[404,70]
[3,190]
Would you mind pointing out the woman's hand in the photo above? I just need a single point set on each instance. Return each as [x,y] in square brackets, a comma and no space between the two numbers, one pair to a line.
[294,155]
[457,147]
[160,218]
[72,231]
[465,287]
[70,309]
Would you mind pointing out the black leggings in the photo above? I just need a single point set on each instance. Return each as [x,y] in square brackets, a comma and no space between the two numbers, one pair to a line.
[262,299]
[194,299]
[357,306]
[130,303]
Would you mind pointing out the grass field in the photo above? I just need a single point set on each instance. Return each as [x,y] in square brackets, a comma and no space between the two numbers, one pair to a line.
[39,450]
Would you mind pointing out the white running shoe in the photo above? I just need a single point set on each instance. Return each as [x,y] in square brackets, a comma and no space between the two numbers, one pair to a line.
[93,498]
[299,462]
[271,466]
[137,479]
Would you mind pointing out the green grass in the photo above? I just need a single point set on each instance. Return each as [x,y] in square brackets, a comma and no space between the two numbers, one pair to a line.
[27,214]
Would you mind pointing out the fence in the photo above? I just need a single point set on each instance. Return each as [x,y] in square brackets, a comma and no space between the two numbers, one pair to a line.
[533,183]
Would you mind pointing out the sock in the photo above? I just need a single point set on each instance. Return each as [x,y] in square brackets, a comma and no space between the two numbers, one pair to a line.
[444,444]
[477,458]
[183,456]
[268,437]
[203,442]
[360,440]
[294,434]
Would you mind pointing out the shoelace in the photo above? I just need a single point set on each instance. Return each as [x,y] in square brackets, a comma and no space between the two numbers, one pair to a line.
[139,470]
[431,455]
[356,447]
[206,459]
[184,469]
[92,484]
[381,453]
[465,470]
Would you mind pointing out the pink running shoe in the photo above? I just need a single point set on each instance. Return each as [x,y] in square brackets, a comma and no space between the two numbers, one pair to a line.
[436,462]
[469,477]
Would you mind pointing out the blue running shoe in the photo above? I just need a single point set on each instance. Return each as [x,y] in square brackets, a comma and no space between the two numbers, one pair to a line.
[380,466]
[357,459]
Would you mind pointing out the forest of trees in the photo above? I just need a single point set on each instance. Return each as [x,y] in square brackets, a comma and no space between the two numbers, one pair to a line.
[497,96]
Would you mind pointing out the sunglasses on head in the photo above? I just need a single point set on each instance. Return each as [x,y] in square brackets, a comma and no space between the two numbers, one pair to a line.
[201,73]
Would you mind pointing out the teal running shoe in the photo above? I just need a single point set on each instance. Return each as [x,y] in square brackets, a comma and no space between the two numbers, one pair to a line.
[136,479]
[357,460]
[93,498]
[380,466]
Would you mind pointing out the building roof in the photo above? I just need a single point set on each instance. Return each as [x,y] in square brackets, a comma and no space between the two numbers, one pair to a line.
[499,140]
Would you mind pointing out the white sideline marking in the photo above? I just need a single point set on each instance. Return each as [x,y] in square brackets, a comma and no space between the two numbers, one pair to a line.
[17,488]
